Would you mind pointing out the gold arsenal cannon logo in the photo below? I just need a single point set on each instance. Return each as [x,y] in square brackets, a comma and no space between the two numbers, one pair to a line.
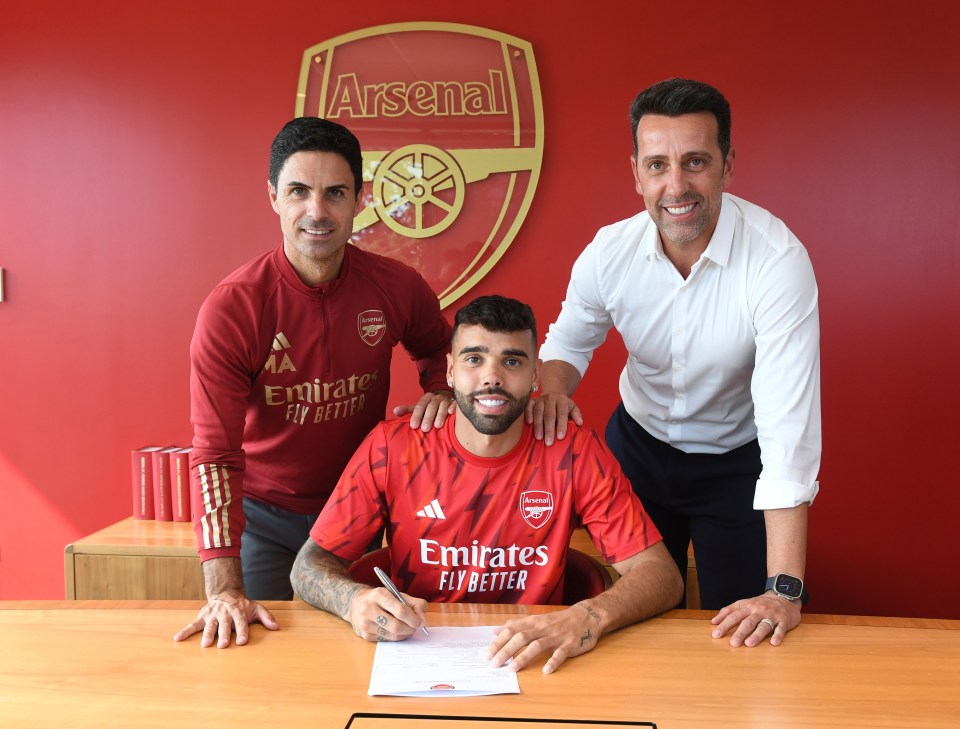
[451,123]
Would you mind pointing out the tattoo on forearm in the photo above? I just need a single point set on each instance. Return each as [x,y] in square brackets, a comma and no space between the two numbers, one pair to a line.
[323,581]
[586,637]
[331,593]
[590,611]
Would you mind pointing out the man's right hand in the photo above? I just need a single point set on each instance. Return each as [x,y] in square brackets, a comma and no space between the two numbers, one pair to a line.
[431,411]
[549,415]
[376,615]
[225,613]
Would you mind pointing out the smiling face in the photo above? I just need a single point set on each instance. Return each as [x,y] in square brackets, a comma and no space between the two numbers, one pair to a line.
[680,172]
[316,202]
[493,374]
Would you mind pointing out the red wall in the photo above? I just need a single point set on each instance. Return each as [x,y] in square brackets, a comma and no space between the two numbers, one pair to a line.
[133,155]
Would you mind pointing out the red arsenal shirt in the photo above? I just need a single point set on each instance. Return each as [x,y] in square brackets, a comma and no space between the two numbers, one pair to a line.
[462,528]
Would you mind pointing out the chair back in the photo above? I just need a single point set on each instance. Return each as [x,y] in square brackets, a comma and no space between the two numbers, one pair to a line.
[362,569]
[584,576]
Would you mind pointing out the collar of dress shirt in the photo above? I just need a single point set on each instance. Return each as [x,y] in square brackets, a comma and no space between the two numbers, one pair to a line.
[718,249]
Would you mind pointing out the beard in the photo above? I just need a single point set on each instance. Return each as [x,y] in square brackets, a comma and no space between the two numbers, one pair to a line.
[708,210]
[491,424]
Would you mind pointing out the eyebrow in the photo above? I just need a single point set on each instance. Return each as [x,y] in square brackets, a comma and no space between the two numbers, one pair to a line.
[297,183]
[687,155]
[486,350]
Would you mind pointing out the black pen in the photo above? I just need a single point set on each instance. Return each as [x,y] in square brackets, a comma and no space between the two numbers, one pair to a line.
[388,583]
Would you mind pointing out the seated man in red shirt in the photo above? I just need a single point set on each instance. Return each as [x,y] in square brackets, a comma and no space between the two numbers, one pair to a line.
[478,510]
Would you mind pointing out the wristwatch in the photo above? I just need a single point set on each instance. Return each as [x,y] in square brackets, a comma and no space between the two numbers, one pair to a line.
[788,587]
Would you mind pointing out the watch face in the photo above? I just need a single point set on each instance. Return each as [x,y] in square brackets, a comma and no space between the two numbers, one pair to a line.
[789,585]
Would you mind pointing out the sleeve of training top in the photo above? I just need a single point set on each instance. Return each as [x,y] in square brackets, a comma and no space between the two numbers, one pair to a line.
[222,361]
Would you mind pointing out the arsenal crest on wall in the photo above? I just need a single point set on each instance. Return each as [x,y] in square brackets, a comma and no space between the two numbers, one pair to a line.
[451,124]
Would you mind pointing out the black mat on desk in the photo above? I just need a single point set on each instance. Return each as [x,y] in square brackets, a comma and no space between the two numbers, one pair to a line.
[409,721]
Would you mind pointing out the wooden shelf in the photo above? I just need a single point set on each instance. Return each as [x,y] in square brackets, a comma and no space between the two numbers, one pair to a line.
[135,560]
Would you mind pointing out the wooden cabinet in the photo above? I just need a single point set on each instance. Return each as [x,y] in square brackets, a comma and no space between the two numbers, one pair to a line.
[135,560]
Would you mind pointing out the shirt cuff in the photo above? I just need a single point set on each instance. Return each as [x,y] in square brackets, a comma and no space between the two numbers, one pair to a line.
[206,554]
[550,351]
[771,494]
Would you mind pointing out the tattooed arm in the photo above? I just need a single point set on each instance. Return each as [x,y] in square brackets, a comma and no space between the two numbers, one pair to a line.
[650,584]
[322,579]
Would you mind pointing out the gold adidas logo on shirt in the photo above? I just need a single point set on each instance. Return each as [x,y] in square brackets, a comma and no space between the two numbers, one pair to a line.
[280,343]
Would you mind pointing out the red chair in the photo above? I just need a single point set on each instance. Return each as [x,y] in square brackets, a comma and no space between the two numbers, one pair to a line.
[584,576]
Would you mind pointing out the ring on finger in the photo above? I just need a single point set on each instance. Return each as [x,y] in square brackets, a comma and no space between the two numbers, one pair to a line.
[768,621]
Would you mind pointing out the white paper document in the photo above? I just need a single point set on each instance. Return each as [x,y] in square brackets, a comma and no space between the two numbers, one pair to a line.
[450,662]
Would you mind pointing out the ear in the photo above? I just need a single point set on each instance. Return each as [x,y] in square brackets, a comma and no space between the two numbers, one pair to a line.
[272,192]
[728,168]
[358,205]
[636,176]
[449,368]
[536,375]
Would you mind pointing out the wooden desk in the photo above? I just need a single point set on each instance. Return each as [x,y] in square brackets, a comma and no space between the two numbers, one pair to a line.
[157,560]
[135,560]
[104,665]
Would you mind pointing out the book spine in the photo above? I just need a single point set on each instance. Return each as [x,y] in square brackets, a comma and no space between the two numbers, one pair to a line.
[142,462]
[180,484]
[161,486]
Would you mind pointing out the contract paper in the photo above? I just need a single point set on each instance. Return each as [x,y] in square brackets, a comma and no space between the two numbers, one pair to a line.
[450,662]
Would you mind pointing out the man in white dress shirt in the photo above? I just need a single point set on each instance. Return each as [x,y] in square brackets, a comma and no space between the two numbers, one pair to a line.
[719,424]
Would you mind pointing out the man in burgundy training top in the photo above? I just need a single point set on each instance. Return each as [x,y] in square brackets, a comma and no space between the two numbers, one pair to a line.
[478,510]
[290,369]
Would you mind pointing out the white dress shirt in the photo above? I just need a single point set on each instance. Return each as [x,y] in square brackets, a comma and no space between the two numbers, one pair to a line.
[729,354]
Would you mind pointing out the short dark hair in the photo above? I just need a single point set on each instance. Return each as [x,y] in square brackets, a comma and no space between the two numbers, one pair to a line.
[678,96]
[312,134]
[497,313]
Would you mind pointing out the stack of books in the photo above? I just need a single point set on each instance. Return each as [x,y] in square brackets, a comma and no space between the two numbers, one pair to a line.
[161,483]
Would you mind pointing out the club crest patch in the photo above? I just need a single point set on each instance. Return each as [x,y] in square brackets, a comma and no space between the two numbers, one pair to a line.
[536,507]
[372,324]
[450,120]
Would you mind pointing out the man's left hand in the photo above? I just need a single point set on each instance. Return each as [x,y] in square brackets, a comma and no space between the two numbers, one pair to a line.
[753,617]
[566,633]
[431,410]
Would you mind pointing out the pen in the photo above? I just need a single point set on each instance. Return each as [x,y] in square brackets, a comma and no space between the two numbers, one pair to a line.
[388,583]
